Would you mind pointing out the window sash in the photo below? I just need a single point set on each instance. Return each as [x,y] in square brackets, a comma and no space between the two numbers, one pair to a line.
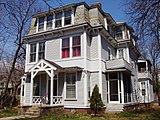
[58,15]
[121,54]
[76,46]
[67,21]
[70,85]
[41,52]
[58,23]
[32,52]
[67,13]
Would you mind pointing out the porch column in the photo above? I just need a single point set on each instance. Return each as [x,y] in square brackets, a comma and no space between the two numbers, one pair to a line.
[31,97]
[21,91]
[122,87]
[51,92]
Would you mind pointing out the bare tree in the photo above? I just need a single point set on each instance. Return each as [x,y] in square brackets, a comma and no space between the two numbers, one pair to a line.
[145,18]
[18,14]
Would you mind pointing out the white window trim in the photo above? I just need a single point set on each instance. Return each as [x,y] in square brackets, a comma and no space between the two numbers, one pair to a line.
[118,55]
[70,47]
[53,21]
[110,53]
[37,53]
[65,90]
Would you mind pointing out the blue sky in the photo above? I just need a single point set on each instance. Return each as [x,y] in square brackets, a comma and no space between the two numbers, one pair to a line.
[114,7]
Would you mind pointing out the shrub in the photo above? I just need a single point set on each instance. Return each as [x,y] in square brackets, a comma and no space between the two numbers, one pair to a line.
[96,103]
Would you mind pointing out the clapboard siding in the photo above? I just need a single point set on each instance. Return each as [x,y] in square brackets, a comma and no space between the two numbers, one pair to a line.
[104,89]
[94,47]
[53,49]
[104,49]
[94,79]
[27,93]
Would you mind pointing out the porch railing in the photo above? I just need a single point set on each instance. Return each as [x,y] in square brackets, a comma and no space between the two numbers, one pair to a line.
[38,99]
[57,99]
[43,100]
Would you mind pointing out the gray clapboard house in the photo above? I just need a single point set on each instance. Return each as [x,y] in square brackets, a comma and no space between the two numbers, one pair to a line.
[71,49]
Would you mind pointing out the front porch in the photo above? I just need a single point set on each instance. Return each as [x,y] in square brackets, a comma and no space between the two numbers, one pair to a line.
[40,86]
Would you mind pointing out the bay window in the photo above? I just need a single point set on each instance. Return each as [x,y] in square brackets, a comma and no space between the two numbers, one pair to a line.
[65,48]
[33,52]
[76,46]
[41,24]
[49,21]
[41,52]
[67,19]
[58,19]
[70,85]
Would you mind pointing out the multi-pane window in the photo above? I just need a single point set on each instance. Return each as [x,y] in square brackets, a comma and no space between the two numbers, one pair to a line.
[33,52]
[41,52]
[70,85]
[65,48]
[41,24]
[58,19]
[49,21]
[76,46]
[67,19]
[143,88]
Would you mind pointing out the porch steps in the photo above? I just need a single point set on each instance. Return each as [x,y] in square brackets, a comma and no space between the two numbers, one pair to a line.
[33,111]
[114,108]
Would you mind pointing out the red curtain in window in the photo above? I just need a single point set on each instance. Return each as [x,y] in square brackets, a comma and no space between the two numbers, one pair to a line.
[65,53]
[65,48]
[76,46]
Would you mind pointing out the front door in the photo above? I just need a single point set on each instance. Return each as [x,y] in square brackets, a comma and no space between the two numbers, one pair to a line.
[113,91]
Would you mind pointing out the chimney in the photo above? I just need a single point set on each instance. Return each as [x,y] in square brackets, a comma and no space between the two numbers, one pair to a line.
[97,5]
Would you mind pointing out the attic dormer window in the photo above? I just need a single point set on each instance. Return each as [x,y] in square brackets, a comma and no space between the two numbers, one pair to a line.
[41,24]
[49,21]
[119,30]
[67,19]
[58,19]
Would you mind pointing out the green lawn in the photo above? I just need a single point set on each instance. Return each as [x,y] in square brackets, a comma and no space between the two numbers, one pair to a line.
[8,112]
[153,114]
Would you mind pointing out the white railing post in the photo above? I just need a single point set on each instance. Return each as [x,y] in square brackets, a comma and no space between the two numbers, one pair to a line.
[51,92]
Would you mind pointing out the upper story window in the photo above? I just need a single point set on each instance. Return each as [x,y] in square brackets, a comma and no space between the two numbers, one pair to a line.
[58,19]
[65,48]
[119,34]
[41,52]
[67,19]
[76,46]
[70,85]
[41,24]
[111,30]
[49,21]
[120,53]
[33,52]
[109,54]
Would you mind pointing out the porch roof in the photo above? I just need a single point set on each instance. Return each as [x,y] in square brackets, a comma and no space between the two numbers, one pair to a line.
[46,64]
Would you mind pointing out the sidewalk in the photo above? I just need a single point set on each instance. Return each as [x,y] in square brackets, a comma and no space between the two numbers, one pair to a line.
[17,117]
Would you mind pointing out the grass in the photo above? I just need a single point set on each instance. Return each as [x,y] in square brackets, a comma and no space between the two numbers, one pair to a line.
[142,114]
[8,112]
[153,114]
